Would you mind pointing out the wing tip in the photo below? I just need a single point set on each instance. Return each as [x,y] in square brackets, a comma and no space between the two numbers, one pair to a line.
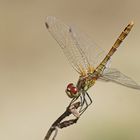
[49,21]
[47,25]
[138,87]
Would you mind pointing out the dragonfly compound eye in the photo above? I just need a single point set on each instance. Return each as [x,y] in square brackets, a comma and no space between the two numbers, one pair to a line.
[71,90]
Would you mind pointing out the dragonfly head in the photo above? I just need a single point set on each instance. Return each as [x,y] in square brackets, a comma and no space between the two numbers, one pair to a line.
[72,91]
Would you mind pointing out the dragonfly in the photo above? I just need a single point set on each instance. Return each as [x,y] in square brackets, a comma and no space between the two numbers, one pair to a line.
[89,60]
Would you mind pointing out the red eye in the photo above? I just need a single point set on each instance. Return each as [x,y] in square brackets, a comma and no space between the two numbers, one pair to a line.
[74,90]
[70,86]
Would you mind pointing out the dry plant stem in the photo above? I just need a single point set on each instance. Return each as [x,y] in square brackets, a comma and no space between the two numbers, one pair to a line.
[71,109]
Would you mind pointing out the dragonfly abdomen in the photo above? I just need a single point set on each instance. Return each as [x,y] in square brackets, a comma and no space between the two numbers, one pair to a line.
[114,47]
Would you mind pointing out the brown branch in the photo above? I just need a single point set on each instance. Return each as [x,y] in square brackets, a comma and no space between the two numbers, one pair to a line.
[71,109]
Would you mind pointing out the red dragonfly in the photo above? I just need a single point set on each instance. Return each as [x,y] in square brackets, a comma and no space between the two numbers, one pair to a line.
[88,59]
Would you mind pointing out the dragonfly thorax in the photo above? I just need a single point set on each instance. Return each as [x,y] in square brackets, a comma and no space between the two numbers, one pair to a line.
[72,91]
[84,83]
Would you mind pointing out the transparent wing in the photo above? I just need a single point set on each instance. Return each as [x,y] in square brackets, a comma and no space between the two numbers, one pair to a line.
[116,76]
[95,54]
[79,50]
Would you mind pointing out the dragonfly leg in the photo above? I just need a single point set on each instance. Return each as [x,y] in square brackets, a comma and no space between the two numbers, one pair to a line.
[72,101]
[89,99]
[85,102]
[82,110]
[82,101]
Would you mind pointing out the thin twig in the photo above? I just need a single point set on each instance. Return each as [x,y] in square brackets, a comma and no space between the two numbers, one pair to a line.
[71,109]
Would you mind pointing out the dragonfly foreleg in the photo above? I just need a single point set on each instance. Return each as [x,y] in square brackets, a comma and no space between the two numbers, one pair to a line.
[72,101]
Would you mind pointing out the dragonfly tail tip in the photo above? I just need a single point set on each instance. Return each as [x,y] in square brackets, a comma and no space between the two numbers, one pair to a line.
[131,23]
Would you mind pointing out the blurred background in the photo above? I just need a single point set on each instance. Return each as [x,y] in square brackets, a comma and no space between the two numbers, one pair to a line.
[34,72]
